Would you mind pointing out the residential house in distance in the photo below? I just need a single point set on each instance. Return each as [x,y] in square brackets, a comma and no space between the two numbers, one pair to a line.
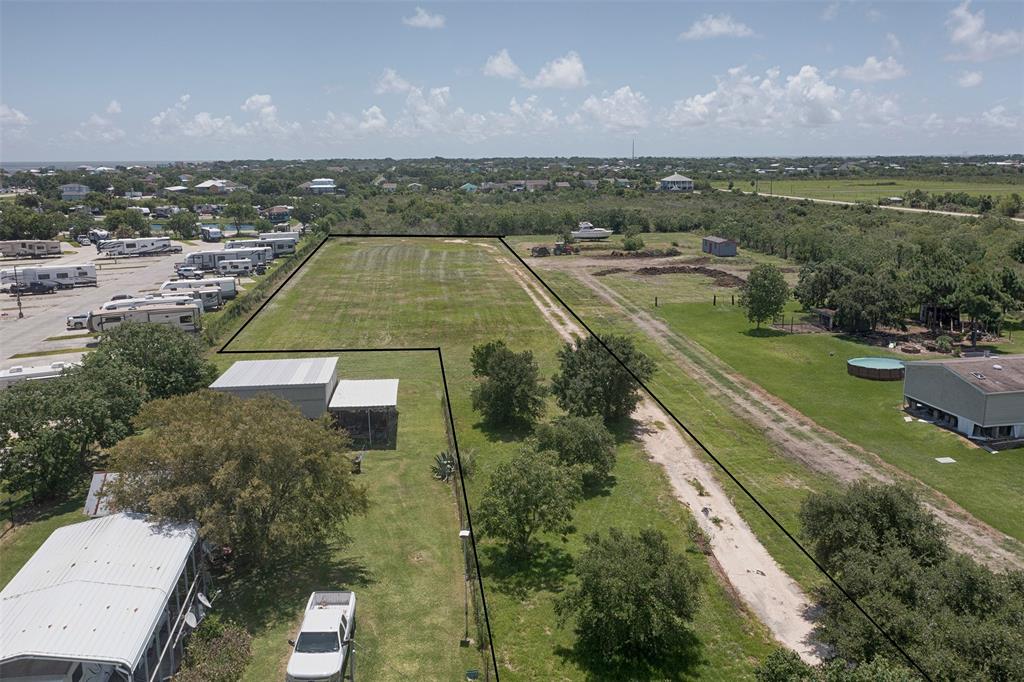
[111,598]
[676,183]
[174,189]
[389,186]
[718,246]
[73,191]
[563,185]
[981,398]
[279,214]
[493,186]
[591,184]
[217,186]
[321,186]
[536,185]
[414,187]
[469,187]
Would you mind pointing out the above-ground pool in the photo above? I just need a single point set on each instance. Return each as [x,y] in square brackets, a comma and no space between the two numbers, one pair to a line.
[879,369]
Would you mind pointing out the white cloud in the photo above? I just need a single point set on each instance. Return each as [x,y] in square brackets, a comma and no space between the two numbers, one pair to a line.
[716,26]
[12,118]
[96,128]
[969,79]
[874,69]
[895,46]
[742,100]
[175,121]
[622,110]
[500,65]
[565,72]
[257,103]
[424,19]
[831,11]
[373,119]
[391,82]
[114,107]
[873,14]
[1000,117]
[872,111]
[968,35]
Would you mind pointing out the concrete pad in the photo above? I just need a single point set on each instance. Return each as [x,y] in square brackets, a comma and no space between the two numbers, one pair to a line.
[945,460]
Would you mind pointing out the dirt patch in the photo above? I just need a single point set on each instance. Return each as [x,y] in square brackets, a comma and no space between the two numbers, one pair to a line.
[610,271]
[721,278]
[649,253]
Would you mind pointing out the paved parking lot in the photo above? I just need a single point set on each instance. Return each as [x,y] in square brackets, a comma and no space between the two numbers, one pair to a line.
[45,315]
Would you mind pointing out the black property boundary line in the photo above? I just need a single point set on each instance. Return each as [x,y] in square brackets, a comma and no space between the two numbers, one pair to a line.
[718,462]
[646,389]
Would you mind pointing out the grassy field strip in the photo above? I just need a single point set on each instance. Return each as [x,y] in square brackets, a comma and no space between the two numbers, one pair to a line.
[868,189]
[410,292]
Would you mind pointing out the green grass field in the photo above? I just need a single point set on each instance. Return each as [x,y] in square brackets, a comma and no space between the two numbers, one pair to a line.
[871,189]
[408,292]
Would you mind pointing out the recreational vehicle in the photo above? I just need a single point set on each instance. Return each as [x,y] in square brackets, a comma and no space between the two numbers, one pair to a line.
[208,260]
[13,375]
[280,235]
[235,267]
[64,276]
[30,248]
[184,316]
[280,246]
[146,246]
[211,234]
[126,303]
[227,285]
[209,296]
[97,235]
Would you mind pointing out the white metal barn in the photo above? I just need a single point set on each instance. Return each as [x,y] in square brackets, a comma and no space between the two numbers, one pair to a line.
[307,383]
[103,600]
[368,410]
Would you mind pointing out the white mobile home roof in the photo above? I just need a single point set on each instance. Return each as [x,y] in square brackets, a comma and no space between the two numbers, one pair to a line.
[365,393]
[277,373]
[94,591]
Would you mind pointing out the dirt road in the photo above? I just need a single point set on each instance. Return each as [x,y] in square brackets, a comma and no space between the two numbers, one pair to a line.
[801,439]
[752,573]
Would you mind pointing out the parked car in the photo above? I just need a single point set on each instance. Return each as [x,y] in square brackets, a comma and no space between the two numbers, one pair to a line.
[34,288]
[324,648]
[84,241]
[189,272]
[79,321]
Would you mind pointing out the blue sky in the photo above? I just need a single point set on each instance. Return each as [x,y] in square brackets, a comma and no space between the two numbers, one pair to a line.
[209,80]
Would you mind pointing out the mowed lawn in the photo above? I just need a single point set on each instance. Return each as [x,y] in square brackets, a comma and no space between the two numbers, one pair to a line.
[870,189]
[808,371]
[425,292]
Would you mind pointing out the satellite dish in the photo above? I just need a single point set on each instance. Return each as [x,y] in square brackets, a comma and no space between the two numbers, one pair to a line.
[191,621]
[203,600]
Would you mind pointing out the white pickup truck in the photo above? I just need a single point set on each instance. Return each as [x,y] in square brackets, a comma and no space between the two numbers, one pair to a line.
[324,648]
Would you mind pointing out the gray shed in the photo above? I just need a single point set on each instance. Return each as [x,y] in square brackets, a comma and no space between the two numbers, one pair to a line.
[368,410]
[718,246]
[307,383]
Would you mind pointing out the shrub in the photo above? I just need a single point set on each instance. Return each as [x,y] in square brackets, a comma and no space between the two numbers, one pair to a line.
[944,344]
[217,652]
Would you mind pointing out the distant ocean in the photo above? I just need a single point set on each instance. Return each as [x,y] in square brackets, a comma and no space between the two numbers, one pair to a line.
[14,166]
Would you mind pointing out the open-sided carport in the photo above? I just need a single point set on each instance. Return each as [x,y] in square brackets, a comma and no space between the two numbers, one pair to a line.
[368,410]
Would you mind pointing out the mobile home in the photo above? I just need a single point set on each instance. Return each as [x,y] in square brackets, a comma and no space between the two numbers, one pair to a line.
[184,316]
[227,285]
[30,248]
[65,276]
[235,267]
[210,233]
[147,246]
[281,246]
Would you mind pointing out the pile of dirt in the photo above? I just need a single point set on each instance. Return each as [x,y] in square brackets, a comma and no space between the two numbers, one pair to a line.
[649,253]
[721,278]
[609,271]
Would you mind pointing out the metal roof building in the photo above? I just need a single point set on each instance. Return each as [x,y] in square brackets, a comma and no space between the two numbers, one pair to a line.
[105,596]
[307,383]
[368,410]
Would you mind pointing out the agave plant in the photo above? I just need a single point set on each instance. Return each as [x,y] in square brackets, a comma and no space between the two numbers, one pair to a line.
[444,466]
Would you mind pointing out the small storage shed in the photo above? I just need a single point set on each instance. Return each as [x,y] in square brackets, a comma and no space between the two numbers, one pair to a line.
[718,246]
[307,383]
[368,410]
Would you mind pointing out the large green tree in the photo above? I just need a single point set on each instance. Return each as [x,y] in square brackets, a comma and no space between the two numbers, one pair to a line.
[765,294]
[979,294]
[634,595]
[530,493]
[255,474]
[183,224]
[591,380]
[510,392]
[583,442]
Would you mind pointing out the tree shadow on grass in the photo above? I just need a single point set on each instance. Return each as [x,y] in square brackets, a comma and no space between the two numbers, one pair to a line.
[544,569]
[598,486]
[764,333]
[503,433]
[276,591]
[680,662]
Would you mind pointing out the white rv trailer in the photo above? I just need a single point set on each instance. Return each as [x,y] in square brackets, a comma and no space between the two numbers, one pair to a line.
[209,296]
[30,248]
[13,375]
[184,316]
[227,285]
[208,260]
[281,246]
[211,234]
[125,303]
[64,276]
[235,267]
[280,235]
[97,235]
[143,246]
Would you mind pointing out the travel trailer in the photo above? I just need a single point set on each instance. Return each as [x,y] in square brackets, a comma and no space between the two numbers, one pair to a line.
[281,246]
[96,235]
[235,267]
[280,235]
[208,260]
[209,296]
[30,248]
[64,276]
[588,231]
[184,316]
[211,234]
[13,375]
[125,303]
[146,246]
[227,285]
